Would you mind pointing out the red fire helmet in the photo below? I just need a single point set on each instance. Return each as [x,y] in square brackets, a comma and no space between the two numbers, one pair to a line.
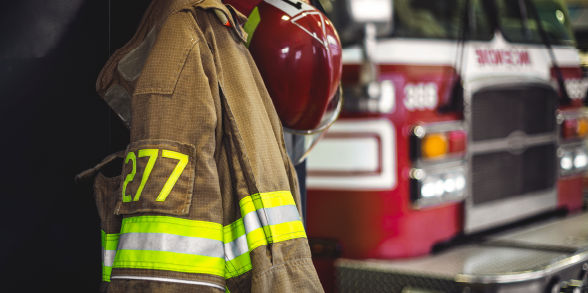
[298,53]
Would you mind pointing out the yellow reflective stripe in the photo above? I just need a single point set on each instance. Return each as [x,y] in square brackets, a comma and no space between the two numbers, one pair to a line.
[172,225]
[246,205]
[273,199]
[106,273]
[110,241]
[233,231]
[169,261]
[256,239]
[238,266]
[286,231]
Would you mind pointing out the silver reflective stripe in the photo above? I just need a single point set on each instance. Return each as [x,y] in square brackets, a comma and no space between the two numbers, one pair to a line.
[262,217]
[108,257]
[270,216]
[236,248]
[169,280]
[282,214]
[171,243]
[251,222]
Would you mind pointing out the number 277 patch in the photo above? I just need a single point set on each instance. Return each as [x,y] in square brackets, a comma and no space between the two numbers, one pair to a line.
[157,178]
[152,154]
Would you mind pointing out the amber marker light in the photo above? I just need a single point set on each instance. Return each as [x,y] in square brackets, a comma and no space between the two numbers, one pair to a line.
[434,145]
[582,127]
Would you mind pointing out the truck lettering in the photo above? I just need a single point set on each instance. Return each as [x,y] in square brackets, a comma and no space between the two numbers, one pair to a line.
[502,57]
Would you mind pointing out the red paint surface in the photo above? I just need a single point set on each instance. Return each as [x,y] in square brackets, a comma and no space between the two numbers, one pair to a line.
[569,193]
[325,268]
[383,224]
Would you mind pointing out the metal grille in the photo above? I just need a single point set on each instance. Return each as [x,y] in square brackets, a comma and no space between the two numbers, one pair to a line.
[498,113]
[503,174]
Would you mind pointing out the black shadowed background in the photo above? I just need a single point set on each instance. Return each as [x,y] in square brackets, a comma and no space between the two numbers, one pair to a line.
[54,126]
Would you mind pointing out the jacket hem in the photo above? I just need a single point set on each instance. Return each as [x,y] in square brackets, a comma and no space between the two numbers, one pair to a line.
[169,280]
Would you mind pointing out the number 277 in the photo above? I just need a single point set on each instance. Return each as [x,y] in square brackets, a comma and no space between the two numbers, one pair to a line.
[153,154]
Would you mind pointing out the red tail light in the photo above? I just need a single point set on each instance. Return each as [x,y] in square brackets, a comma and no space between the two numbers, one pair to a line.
[457,141]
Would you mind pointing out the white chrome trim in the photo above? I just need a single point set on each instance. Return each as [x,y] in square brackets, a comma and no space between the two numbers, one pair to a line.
[486,215]
[526,276]
[418,51]
[384,180]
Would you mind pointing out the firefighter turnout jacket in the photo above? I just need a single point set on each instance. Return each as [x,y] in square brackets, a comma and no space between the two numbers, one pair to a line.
[207,198]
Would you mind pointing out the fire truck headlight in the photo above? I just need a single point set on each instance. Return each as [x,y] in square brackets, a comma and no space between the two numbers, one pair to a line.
[428,189]
[438,185]
[449,185]
[573,159]
[566,162]
[580,160]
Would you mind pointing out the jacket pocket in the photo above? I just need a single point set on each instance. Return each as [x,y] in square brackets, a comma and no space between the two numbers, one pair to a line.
[105,191]
[158,176]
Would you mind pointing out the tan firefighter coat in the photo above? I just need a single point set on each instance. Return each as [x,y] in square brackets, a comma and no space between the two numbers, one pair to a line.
[207,196]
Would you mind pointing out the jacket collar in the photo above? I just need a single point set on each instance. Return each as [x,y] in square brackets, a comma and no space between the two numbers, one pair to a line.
[223,12]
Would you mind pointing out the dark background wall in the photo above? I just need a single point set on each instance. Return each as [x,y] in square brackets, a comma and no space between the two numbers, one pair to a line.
[53,125]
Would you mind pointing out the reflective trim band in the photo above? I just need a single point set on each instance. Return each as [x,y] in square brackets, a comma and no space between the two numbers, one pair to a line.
[108,257]
[170,261]
[238,266]
[106,273]
[286,231]
[237,256]
[236,248]
[109,245]
[110,241]
[256,239]
[273,199]
[170,281]
[252,221]
[233,231]
[283,214]
[171,243]
[171,225]
[267,218]
[247,205]
[189,246]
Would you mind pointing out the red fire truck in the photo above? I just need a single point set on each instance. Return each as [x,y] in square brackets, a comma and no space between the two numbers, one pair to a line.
[461,118]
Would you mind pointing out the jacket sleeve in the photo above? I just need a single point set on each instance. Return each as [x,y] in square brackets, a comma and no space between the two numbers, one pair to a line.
[171,233]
